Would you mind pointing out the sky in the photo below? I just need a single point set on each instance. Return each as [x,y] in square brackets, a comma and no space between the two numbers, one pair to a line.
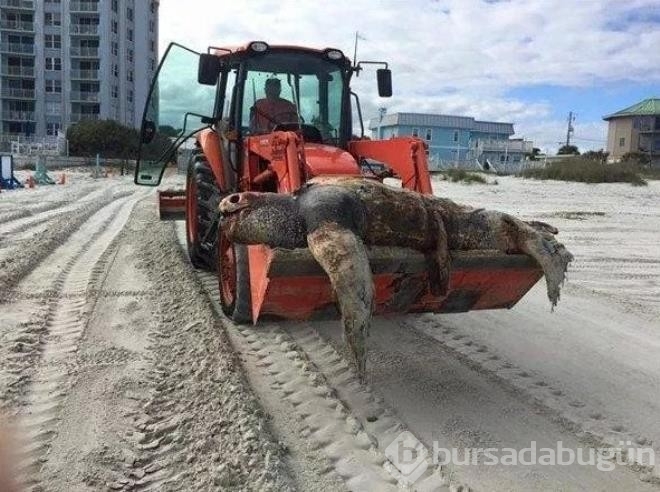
[528,62]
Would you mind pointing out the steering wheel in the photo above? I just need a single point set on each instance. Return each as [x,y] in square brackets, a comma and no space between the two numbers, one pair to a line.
[275,118]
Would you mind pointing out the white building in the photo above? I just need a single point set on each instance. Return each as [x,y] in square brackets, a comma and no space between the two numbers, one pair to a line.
[63,61]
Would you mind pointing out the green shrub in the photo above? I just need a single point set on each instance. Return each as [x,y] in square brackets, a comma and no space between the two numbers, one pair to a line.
[462,176]
[588,171]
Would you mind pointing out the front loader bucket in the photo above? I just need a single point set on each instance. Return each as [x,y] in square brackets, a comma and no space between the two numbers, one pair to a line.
[290,283]
[172,204]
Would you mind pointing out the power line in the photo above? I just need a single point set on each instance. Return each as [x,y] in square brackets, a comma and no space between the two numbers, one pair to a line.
[589,139]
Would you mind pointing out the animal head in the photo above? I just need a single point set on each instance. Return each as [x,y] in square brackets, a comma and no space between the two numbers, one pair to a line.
[261,218]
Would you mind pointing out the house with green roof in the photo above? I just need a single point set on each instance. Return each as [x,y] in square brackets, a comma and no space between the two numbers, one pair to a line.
[635,129]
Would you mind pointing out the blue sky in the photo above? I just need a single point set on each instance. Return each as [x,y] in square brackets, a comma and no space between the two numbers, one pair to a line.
[529,62]
[589,104]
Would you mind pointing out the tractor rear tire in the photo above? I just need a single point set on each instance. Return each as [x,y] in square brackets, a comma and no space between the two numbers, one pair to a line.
[234,280]
[202,199]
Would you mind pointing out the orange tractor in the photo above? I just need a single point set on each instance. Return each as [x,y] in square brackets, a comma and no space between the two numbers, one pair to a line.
[270,118]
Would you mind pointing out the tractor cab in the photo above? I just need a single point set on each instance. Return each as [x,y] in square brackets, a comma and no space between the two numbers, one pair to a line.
[245,94]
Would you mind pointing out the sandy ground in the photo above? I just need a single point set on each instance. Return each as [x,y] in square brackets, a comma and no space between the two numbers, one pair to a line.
[119,372]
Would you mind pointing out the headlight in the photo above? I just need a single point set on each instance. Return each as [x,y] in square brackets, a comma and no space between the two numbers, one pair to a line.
[259,46]
[334,54]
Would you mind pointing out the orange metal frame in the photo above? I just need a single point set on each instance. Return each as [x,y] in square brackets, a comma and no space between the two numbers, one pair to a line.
[283,162]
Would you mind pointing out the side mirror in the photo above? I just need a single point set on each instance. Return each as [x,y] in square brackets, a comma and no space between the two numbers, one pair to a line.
[209,69]
[148,131]
[384,77]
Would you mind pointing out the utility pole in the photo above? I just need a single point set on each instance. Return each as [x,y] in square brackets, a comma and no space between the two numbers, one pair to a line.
[569,131]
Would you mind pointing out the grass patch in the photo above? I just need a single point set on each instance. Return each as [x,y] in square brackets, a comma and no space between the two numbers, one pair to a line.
[650,173]
[589,171]
[462,176]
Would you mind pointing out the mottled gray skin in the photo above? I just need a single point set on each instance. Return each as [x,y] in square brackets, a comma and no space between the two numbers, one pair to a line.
[337,219]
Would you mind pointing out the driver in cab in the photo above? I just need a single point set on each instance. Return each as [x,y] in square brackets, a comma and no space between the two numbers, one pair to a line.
[272,110]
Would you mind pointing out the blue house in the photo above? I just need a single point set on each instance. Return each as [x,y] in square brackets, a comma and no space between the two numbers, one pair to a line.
[457,141]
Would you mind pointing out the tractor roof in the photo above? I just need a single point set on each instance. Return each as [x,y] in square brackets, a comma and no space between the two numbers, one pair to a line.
[223,51]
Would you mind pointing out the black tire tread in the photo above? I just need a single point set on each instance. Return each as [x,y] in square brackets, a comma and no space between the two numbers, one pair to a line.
[203,253]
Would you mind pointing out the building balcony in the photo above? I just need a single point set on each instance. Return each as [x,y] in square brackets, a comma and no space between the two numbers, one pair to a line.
[85,96]
[76,117]
[10,115]
[84,29]
[16,25]
[84,52]
[86,7]
[504,146]
[17,93]
[17,4]
[85,74]
[17,71]
[17,48]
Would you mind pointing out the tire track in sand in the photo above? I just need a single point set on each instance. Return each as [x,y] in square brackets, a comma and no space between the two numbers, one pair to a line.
[347,427]
[23,261]
[28,209]
[27,222]
[65,320]
[25,318]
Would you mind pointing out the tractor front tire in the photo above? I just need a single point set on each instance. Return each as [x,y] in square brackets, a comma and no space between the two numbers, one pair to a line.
[202,199]
[234,280]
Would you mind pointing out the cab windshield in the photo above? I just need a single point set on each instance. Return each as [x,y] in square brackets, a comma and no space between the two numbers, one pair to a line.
[293,90]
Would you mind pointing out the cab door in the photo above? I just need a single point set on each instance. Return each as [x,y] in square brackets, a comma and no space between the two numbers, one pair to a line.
[178,106]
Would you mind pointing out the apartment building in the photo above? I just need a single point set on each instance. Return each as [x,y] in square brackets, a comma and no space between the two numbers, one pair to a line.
[635,129]
[63,61]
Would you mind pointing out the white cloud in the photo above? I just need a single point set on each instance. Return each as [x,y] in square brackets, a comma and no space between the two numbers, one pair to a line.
[450,56]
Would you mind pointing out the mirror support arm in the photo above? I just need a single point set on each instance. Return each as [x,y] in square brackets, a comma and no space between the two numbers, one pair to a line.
[359,110]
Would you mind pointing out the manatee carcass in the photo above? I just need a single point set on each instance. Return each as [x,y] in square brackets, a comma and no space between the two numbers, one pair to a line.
[338,219]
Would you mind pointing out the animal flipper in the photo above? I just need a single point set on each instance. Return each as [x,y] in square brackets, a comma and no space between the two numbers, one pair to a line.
[343,256]
[540,243]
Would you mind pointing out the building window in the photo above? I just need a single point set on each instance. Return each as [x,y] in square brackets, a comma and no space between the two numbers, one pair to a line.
[152,63]
[455,135]
[115,91]
[115,48]
[130,96]
[52,129]
[52,19]
[129,14]
[115,26]
[129,76]
[622,142]
[152,45]
[151,26]
[415,132]
[53,41]
[53,1]
[54,86]
[115,70]
[129,56]
[429,134]
[115,5]
[53,63]
[53,108]
[129,34]
[153,7]
[501,158]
